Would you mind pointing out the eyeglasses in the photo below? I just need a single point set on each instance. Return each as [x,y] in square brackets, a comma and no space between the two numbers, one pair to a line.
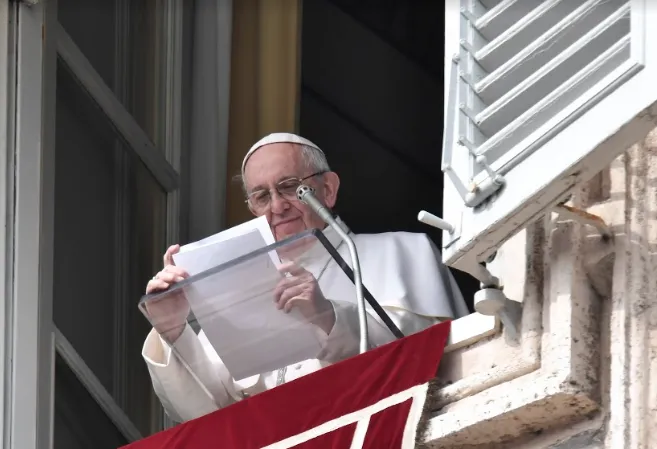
[287,189]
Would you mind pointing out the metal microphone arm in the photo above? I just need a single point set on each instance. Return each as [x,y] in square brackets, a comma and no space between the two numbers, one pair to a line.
[307,196]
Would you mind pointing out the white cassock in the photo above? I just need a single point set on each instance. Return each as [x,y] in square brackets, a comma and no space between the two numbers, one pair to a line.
[402,270]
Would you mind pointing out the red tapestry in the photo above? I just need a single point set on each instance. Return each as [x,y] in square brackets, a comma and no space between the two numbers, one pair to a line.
[371,401]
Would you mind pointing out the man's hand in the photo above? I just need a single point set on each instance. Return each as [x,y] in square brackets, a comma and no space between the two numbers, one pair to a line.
[301,290]
[168,315]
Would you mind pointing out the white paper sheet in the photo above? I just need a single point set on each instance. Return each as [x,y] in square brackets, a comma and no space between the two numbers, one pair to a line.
[235,307]
[225,246]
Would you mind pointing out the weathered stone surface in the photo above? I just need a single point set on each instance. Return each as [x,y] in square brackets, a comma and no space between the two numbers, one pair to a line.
[632,388]
[557,380]
[584,373]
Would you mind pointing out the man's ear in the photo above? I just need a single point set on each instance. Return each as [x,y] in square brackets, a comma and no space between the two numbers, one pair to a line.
[331,183]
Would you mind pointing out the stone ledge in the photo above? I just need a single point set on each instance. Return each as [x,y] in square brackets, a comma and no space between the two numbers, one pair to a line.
[507,411]
[557,382]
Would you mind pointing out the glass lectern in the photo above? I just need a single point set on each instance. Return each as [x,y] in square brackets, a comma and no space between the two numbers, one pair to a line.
[244,307]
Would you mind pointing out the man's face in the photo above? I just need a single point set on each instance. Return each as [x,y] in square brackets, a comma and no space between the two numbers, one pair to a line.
[277,162]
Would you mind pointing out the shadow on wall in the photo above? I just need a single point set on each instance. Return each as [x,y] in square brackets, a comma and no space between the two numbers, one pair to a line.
[378,115]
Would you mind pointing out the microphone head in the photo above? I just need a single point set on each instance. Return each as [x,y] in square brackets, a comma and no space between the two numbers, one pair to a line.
[304,190]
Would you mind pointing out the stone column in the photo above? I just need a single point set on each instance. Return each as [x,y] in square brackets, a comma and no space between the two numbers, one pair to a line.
[632,356]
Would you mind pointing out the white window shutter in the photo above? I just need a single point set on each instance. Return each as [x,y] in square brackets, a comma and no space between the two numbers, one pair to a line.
[540,95]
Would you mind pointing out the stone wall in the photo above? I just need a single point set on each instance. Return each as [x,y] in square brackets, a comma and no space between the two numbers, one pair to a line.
[583,373]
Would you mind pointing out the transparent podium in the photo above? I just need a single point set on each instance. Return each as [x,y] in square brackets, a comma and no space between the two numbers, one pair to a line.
[260,312]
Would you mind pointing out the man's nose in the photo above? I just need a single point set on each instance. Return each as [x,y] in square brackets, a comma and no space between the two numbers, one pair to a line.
[278,203]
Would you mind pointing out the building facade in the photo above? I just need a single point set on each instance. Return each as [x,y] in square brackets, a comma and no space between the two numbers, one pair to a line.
[121,123]
[549,152]
[580,374]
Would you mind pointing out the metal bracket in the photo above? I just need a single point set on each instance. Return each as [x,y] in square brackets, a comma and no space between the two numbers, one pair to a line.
[435,221]
[478,193]
[490,300]
[586,218]
[493,302]
[479,272]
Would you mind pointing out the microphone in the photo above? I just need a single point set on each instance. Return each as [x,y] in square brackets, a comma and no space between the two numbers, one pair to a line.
[306,195]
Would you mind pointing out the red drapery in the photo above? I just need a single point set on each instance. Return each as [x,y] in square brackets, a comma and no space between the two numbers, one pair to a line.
[381,392]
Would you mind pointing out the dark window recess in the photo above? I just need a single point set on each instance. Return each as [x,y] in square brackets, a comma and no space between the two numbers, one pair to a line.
[372,98]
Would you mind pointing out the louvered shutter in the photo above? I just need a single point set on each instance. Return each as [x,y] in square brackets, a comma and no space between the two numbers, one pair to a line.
[540,95]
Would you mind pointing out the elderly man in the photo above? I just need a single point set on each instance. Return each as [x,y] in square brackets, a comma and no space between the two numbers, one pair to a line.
[402,270]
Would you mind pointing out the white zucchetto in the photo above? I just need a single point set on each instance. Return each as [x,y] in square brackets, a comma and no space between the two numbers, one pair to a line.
[277,138]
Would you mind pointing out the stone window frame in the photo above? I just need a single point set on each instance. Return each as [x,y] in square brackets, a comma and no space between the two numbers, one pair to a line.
[493,388]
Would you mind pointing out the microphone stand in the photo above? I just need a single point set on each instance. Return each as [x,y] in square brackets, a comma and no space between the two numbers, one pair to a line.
[306,195]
